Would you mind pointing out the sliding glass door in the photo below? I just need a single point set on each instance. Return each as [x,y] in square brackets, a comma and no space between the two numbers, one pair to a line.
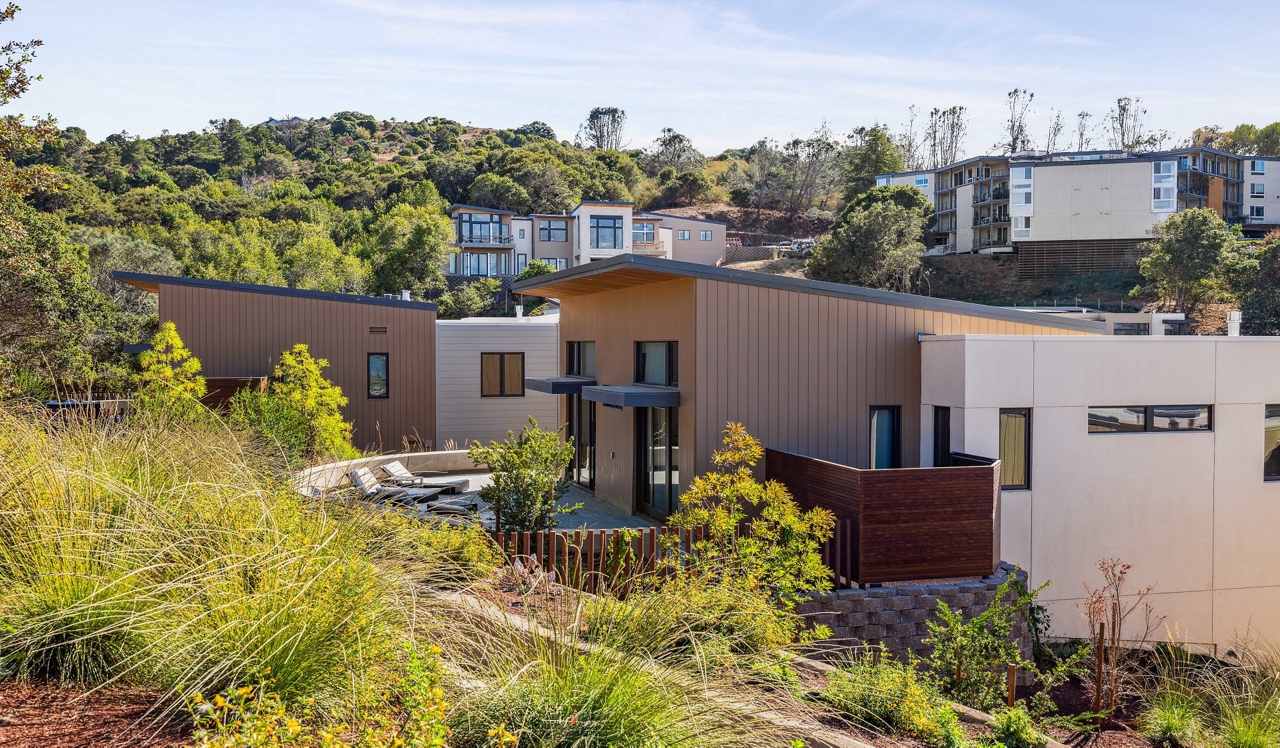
[582,429]
[658,460]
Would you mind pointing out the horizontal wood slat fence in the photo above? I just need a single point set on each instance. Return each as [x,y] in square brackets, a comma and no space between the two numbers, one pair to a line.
[901,524]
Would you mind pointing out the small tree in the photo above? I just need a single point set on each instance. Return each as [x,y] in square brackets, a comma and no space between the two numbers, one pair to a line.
[170,381]
[528,477]
[1260,302]
[298,381]
[1185,258]
[535,304]
[783,552]
[877,246]
[469,300]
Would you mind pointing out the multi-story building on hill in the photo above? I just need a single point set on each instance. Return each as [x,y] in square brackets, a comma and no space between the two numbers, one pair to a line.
[1085,212]
[500,243]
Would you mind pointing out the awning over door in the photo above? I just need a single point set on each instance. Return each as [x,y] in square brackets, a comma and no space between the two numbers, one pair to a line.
[558,385]
[633,396]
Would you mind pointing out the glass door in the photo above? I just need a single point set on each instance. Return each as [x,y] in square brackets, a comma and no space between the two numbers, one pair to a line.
[658,463]
[582,429]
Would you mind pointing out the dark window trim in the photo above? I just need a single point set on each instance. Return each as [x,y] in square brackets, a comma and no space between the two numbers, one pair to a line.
[673,363]
[1026,484]
[1268,478]
[896,457]
[502,372]
[1149,420]
[941,449]
[573,358]
[368,378]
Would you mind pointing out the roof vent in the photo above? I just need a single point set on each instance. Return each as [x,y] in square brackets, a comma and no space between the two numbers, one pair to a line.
[404,295]
[1233,323]
[377,331]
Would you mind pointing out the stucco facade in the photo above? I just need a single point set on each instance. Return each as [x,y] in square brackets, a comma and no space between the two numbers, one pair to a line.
[1190,510]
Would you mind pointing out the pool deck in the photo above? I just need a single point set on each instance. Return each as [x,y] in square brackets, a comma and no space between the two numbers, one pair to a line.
[594,514]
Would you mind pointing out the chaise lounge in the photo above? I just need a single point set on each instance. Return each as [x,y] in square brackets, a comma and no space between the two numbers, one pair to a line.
[398,475]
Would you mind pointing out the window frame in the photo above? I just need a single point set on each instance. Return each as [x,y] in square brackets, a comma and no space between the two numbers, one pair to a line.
[548,229]
[574,365]
[941,447]
[502,373]
[1149,417]
[1025,485]
[683,235]
[596,229]
[895,456]
[368,375]
[1266,413]
[1257,211]
[644,232]
[704,236]
[672,363]
[1257,190]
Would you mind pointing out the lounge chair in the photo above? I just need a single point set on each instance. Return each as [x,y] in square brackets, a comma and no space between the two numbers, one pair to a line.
[371,489]
[398,475]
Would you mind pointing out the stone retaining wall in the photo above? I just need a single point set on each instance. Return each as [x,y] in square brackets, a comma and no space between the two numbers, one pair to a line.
[895,617]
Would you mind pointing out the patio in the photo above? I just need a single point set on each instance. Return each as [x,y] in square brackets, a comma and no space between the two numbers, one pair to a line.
[594,514]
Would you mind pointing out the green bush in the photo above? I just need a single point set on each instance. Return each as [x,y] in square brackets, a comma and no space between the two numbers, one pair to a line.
[1014,728]
[528,477]
[886,695]
[170,382]
[1172,720]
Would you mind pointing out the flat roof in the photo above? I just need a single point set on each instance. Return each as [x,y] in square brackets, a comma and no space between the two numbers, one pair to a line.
[627,270]
[680,218]
[152,283]
[456,206]
[1140,339]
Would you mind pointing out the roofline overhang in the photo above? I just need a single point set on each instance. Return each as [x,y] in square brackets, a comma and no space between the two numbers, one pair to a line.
[633,396]
[151,283]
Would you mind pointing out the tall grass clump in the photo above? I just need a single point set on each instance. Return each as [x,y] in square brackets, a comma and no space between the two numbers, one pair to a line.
[885,695]
[164,552]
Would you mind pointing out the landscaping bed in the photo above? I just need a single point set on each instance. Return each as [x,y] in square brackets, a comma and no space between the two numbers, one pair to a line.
[45,714]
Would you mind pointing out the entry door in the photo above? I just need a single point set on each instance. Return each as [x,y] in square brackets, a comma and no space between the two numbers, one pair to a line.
[658,461]
[582,427]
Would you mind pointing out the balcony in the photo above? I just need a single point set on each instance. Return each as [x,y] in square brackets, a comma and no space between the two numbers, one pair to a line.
[981,198]
[500,240]
[1000,193]
[982,220]
[649,248]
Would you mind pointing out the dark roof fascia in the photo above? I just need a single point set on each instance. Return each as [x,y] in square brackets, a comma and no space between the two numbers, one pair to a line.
[801,285]
[457,206]
[602,202]
[550,215]
[632,395]
[908,173]
[682,218]
[174,280]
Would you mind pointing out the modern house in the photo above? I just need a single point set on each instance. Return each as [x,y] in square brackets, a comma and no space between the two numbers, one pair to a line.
[1089,211]
[501,243]
[1160,451]
[381,351]
[481,366]
[659,355]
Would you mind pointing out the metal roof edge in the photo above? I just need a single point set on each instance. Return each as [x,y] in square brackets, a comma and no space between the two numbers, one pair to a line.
[682,218]
[217,285]
[481,207]
[802,285]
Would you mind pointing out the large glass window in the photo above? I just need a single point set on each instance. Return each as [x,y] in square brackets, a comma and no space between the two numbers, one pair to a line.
[377,379]
[501,375]
[553,231]
[1131,328]
[657,363]
[482,228]
[606,232]
[1271,444]
[941,436]
[658,461]
[1150,418]
[885,451]
[1015,448]
[1257,167]
[581,359]
[642,232]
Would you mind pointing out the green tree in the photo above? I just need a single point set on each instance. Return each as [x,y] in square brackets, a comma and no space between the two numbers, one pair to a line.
[1184,259]
[1260,302]
[170,382]
[470,299]
[528,476]
[536,130]
[874,152]
[534,304]
[877,246]
[911,198]
[494,191]
[298,381]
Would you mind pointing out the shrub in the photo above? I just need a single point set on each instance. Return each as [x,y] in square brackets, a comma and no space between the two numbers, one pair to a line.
[1014,728]
[886,695]
[528,476]
[1171,720]
[170,381]
[782,554]
[277,421]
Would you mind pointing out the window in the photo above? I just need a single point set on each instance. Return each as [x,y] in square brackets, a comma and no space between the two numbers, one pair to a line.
[453,263]
[683,235]
[1150,418]
[1161,193]
[882,181]
[553,231]
[922,183]
[884,437]
[1271,444]
[941,436]
[606,232]
[1257,167]
[581,359]
[503,263]
[377,380]
[521,233]
[1023,198]
[1257,190]
[1131,328]
[1162,167]
[704,236]
[501,375]
[562,263]
[1015,448]
[1022,227]
[481,228]
[657,363]
[642,232]
[522,261]
[1021,172]
[1257,211]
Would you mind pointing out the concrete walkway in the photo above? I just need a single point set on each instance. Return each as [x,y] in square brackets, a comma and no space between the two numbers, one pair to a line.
[594,514]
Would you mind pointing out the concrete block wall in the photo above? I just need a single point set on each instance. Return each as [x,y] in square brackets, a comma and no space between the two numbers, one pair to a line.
[895,618]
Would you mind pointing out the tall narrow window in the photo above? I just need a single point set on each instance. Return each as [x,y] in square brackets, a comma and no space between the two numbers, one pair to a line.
[885,452]
[941,436]
[1271,444]
[657,363]
[501,375]
[581,359]
[1015,448]
[377,379]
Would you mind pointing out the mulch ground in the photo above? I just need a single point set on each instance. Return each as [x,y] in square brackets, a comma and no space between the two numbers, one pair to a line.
[48,716]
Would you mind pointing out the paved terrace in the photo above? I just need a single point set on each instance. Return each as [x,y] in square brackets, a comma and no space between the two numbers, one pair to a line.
[594,514]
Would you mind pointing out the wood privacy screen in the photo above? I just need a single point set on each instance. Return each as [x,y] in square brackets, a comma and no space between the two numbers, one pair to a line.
[902,524]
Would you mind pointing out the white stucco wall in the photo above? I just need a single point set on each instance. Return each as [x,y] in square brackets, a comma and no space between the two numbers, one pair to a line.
[461,414]
[582,251]
[1092,200]
[1190,511]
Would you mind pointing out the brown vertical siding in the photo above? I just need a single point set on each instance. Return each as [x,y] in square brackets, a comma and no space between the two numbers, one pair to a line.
[616,320]
[801,370]
[241,334]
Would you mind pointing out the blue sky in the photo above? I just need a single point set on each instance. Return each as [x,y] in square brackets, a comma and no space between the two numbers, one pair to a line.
[723,73]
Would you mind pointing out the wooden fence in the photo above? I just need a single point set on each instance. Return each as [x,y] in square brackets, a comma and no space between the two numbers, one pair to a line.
[902,524]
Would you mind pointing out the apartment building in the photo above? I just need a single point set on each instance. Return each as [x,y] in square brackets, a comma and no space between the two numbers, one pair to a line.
[1083,212]
[501,243]
[1161,451]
